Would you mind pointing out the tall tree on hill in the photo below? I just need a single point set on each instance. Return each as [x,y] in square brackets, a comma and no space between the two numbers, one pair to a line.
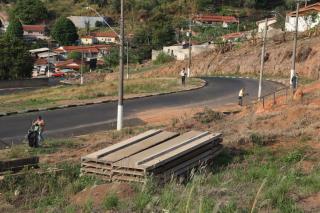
[15,60]
[162,30]
[14,30]
[64,31]
[30,11]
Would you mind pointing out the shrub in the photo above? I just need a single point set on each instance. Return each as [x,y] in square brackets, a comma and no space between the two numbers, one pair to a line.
[208,116]
[163,58]
[111,201]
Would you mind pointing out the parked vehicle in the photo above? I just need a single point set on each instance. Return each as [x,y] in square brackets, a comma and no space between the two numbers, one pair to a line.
[58,74]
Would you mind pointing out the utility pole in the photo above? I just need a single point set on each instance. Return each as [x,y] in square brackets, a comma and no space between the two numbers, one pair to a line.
[190,55]
[127,59]
[293,65]
[262,57]
[48,59]
[120,92]
[81,67]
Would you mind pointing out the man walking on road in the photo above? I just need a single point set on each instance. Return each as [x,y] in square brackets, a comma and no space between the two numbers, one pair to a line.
[183,75]
[241,95]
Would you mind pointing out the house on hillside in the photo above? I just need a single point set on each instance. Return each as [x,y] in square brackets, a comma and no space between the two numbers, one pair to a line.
[69,64]
[224,21]
[181,51]
[105,37]
[234,37]
[262,24]
[88,40]
[309,17]
[89,52]
[34,32]
[82,21]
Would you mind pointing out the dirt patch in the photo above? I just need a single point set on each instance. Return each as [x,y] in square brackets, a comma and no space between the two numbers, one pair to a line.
[311,203]
[97,193]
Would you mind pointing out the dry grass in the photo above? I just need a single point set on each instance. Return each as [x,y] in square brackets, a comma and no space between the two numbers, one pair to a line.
[107,90]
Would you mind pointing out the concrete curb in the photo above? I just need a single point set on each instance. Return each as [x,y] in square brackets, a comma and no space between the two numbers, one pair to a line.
[2,114]
[249,77]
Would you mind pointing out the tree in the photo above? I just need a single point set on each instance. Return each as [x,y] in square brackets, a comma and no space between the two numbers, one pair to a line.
[15,60]
[30,11]
[14,30]
[112,59]
[74,55]
[64,31]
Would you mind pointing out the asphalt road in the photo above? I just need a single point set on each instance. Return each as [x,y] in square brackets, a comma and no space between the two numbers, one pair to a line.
[80,120]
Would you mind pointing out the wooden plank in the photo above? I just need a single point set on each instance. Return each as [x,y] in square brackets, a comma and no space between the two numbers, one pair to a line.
[150,163]
[130,162]
[191,164]
[127,172]
[138,147]
[169,149]
[95,165]
[200,158]
[183,159]
[18,164]
[127,179]
[122,144]
[95,171]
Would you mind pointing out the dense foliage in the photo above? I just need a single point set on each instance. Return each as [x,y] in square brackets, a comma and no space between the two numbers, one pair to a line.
[14,30]
[64,31]
[30,11]
[15,60]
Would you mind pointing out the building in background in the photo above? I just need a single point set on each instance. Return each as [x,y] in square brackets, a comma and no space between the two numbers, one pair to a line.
[224,21]
[34,32]
[309,17]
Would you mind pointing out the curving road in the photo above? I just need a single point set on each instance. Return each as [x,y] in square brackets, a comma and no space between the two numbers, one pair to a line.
[80,120]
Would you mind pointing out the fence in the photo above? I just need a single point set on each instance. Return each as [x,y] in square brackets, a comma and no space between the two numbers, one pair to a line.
[280,96]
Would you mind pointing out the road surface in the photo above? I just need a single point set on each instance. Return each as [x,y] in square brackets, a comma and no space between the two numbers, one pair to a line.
[84,119]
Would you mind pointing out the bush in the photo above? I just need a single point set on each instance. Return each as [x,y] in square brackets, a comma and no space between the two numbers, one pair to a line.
[261,140]
[208,116]
[163,58]
[111,201]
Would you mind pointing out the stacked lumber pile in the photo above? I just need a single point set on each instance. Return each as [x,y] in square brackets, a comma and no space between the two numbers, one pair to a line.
[15,165]
[156,152]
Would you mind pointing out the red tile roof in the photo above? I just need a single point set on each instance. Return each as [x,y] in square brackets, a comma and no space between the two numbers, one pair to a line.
[70,63]
[34,28]
[105,34]
[85,49]
[215,18]
[308,9]
[233,35]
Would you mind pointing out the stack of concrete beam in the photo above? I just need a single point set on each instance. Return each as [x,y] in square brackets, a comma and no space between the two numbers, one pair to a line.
[156,152]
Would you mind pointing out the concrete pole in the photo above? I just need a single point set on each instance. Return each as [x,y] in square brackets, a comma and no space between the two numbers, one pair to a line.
[81,67]
[190,55]
[48,59]
[293,65]
[127,59]
[262,57]
[120,92]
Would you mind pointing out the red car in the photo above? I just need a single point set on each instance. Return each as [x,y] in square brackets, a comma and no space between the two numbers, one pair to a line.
[58,74]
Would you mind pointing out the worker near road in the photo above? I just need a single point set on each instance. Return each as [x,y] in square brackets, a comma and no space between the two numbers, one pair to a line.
[40,122]
[183,75]
[241,95]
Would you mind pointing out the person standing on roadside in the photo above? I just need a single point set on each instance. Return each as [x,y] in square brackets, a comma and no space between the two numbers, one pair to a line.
[241,95]
[183,75]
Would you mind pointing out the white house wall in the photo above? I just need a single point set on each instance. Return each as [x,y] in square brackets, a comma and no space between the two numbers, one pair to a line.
[304,24]
[181,54]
